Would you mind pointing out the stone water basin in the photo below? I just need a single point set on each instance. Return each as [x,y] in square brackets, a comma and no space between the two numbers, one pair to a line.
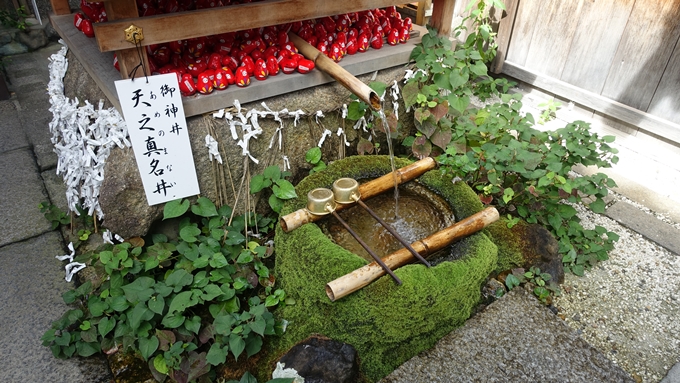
[386,323]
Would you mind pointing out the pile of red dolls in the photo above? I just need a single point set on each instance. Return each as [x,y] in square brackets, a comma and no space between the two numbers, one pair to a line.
[214,62]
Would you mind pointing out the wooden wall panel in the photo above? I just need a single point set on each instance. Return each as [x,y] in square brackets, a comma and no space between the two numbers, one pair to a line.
[596,39]
[666,100]
[551,42]
[644,51]
[525,23]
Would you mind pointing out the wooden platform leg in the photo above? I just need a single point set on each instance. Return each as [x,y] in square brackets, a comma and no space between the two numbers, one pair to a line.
[442,16]
[60,7]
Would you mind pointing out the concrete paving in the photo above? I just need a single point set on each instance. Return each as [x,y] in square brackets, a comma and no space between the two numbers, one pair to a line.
[515,339]
[31,279]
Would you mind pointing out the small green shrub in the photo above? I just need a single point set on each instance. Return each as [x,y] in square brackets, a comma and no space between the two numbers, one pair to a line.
[313,157]
[16,19]
[496,150]
[542,284]
[273,178]
[181,305]
[53,214]
[548,111]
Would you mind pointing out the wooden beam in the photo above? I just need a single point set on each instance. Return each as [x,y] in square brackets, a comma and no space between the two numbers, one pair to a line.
[100,67]
[625,113]
[60,7]
[504,32]
[442,16]
[131,57]
[179,26]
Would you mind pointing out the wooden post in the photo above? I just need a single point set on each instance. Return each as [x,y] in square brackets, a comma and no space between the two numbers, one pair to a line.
[423,6]
[364,276]
[60,7]
[442,16]
[127,58]
[507,22]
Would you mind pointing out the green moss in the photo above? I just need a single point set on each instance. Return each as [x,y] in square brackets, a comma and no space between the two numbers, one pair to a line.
[387,324]
[510,253]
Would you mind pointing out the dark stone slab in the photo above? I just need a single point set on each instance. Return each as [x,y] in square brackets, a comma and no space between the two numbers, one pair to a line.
[31,284]
[646,224]
[21,190]
[12,135]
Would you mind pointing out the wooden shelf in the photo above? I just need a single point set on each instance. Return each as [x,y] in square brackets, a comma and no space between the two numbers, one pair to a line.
[100,67]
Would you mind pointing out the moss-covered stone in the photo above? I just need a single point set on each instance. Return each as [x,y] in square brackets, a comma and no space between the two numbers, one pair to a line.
[510,249]
[387,324]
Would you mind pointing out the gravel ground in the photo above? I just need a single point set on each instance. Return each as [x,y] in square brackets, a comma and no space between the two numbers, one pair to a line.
[628,306]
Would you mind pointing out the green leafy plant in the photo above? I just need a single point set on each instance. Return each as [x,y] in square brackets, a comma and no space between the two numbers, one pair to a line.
[496,150]
[548,110]
[53,214]
[182,305]
[16,19]
[313,157]
[541,283]
[281,189]
[385,120]
[446,78]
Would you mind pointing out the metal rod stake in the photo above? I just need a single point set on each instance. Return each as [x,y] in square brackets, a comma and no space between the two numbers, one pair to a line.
[365,246]
[393,232]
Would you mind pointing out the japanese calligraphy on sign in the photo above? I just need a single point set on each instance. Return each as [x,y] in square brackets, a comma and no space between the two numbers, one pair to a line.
[157,127]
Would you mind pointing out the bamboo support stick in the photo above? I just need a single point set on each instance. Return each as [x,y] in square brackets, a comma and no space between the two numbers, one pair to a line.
[364,276]
[368,190]
[326,65]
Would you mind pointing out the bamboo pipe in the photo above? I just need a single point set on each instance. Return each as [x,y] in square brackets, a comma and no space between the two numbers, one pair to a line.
[368,190]
[364,276]
[326,65]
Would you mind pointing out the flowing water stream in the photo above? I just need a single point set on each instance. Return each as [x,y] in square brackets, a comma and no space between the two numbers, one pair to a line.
[386,128]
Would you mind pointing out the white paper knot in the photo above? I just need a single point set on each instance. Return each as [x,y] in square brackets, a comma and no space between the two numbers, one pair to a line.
[213,151]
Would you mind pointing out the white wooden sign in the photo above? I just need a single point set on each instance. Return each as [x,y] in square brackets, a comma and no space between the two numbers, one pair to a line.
[157,127]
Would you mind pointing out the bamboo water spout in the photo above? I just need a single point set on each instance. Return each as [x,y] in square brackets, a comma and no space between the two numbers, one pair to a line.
[330,67]
[364,276]
[367,190]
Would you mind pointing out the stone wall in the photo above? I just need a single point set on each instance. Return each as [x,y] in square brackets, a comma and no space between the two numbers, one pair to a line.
[122,196]
[14,41]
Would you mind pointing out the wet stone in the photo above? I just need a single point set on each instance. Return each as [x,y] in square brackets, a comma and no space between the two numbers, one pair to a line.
[322,360]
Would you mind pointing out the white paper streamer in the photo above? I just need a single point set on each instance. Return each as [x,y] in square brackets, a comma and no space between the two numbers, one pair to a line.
[341,133]
[325,134]
[83,138]
[213,151]
[108,237]
[394,91]
[72,267]
[286,163]
[67,256]
[361,124]
[282,372]
[317,115]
